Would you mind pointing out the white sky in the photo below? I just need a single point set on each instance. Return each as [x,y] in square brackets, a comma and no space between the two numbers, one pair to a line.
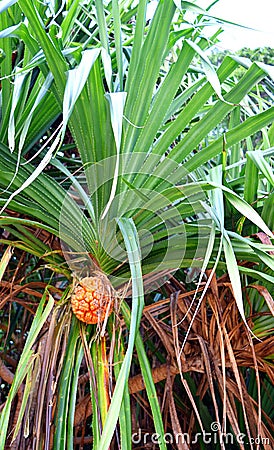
[258,14]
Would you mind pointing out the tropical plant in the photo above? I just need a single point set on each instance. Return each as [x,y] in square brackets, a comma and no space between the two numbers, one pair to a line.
[261,54]
[113,161]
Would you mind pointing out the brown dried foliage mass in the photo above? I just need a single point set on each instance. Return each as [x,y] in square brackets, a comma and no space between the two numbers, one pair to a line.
[208,366]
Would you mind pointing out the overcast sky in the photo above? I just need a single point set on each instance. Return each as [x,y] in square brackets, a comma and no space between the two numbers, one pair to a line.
[258,14]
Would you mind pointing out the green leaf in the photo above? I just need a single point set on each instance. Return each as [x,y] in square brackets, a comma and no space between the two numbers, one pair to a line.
[129,233]
[246,210]
[116,104]
[5,4]
[18,85]
[76,79]
[118,40]
[164,97]
[141,83]
[5,259]
[41,94]
[258,159]
[67,390]
[247,128]
[69,21]
[54,57]
[261,251]
[210,72]
[101,19]
[188,6]
[73,394]
[148,379]
[35,173]
[257,275]
[25,361]
[234,275]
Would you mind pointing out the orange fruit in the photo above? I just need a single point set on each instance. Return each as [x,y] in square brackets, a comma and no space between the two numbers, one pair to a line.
[92,299]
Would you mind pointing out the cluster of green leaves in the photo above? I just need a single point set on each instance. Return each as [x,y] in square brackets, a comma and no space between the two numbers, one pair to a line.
[139,110]
[261,54]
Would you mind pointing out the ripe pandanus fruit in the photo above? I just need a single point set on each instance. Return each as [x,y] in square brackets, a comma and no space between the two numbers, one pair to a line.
[92,299]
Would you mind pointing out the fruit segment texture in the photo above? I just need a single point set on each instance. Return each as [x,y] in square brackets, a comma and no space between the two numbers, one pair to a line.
[92,299]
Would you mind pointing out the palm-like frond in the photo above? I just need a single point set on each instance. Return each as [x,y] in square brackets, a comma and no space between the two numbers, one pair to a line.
[110,142]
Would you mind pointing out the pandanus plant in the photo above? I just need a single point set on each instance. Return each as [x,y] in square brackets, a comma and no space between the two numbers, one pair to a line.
[111,142]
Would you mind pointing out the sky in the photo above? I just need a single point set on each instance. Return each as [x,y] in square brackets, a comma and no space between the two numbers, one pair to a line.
[257,14]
